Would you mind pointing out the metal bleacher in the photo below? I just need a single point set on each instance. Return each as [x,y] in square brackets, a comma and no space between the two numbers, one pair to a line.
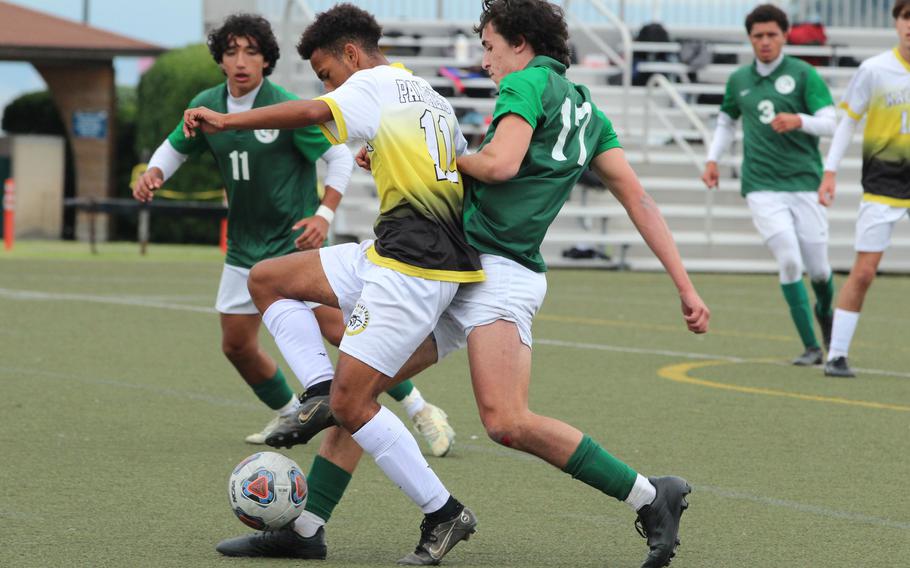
[664,129]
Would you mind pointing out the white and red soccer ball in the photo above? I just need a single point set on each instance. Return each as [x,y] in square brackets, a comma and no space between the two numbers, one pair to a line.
[267,491]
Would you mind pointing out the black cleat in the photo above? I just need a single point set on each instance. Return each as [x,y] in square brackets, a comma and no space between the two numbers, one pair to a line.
[812,356]
[281,543]
[838,367]
[313,417]
[825,322]
[437,540]
[659,521]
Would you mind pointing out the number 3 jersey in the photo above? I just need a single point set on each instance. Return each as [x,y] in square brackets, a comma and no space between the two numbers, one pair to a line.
[412,137]
[772,161]
[510,219]
[881,90]
[269,176]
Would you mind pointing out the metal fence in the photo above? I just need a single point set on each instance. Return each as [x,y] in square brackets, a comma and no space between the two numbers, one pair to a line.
[704,13]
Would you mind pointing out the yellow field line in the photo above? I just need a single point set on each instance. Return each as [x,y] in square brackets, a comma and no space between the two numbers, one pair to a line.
[680,373]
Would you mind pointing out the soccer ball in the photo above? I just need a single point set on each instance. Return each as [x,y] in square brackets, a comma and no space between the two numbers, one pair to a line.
[267,491]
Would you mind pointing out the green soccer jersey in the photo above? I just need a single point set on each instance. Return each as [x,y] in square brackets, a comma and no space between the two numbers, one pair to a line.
[510,219]
[269,175]
[772,161]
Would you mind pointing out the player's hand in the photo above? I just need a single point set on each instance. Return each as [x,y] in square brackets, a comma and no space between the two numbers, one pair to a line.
[827,189]
[315,229]
[146,184]
[201,118]
[711,176]
[363,158]
[785,122]
[695,312]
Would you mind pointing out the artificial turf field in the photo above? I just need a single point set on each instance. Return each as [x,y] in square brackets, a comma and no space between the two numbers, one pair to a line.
[120,421]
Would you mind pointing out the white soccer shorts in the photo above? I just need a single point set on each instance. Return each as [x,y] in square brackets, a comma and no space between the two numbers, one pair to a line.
[510,292]
[774,212]
[388,314]
[875,224]
[234,295]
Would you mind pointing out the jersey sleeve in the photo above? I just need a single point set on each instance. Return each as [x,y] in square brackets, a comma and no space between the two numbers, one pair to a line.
[856,98]
[729,105]
[817,96]
[520,93]
[311,142]
[183,144]
[608,138]
[356,109]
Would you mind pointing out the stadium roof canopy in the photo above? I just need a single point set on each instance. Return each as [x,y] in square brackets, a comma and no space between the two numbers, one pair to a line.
[29,35]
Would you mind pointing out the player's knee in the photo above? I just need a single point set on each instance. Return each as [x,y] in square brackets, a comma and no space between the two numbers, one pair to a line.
[347,407]
[236,349]
[259,281]
[791,269]
[503,429]
[863,276]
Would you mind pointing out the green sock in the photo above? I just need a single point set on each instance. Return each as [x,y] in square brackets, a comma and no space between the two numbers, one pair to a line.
[798,300]
[326,483]
[275,392]
[595,466]
[824,295]
[401,390]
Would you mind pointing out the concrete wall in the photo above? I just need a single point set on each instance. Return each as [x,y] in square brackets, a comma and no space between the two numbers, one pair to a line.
[38,170]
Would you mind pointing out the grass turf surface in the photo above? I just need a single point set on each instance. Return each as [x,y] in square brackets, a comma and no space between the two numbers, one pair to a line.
[121,421]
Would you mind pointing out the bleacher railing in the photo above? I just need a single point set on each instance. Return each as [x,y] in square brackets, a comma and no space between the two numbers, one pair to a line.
[659,82]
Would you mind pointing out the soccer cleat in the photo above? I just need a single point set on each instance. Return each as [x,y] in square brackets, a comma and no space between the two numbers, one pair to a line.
[659,521]
[437,540]
[259,437]
[432,423]
[313,416]
[825,322]
[281,543]
[811,356]
[838,367]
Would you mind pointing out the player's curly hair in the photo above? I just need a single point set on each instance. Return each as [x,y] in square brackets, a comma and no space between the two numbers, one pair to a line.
[541,23]
[899,6]
[337,26]
[252,27]
[767,13]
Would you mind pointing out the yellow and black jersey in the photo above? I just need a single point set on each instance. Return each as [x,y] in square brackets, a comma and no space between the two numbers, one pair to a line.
[881,90]
[413,137]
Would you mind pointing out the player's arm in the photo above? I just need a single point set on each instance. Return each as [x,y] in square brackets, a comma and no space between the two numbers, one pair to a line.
[836,151]
[723,137]
[163,164]
[286,115]
[501,159]
[822,123]
[616,173]
[339,165]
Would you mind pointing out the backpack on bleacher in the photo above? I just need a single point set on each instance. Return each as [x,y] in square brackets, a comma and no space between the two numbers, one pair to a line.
[809,33]
[655,33]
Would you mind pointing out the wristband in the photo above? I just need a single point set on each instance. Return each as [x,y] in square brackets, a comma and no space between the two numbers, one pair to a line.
[326,213]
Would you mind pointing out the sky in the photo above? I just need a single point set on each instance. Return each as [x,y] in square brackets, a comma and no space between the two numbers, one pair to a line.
[169,23]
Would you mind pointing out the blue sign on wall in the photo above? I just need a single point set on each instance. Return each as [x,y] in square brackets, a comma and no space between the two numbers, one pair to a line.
[90,124]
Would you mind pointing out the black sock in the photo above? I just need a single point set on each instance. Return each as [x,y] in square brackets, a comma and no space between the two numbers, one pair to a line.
[447,512]
[319,389]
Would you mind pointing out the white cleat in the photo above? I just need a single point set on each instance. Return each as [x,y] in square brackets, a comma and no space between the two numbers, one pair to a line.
[433,424]
[259,437]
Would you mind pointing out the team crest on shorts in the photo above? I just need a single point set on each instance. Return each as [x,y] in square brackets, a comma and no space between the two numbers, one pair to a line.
[266,136]
[359,320]
[785,84]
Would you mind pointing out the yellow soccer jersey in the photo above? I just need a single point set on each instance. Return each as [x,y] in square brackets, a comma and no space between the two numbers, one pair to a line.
[413,137]
[881,90]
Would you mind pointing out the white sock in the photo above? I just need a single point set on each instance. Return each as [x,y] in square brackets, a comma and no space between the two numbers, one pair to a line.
[297,335]
[396,453]
[643,493]
[289,408]
[842,333]
[307,524]
[413,403]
